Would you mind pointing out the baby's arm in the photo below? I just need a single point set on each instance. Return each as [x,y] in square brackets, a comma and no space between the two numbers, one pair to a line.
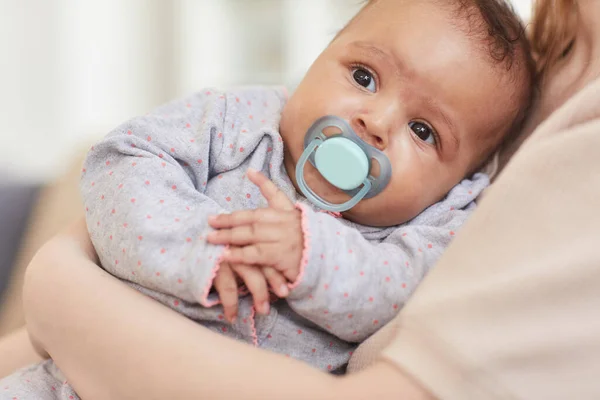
[342,282]
[352,287]
[143,188]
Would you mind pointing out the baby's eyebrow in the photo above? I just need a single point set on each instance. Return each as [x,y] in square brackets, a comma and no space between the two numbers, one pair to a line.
[399,67]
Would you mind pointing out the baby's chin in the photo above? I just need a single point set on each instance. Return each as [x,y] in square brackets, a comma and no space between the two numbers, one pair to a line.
[369,213]
[366,212]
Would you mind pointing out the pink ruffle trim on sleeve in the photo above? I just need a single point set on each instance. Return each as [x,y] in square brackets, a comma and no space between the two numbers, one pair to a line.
[306,250]
[204,299]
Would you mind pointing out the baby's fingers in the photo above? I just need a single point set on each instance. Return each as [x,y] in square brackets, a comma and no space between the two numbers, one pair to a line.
[246,234]
[275,197]
[246,217]
[257,285]
[226,286]
[254,254]
[264,254]
[277,281]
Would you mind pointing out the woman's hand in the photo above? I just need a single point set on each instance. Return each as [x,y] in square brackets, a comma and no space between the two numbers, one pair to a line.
[72,242]
[108,339]
[270,236]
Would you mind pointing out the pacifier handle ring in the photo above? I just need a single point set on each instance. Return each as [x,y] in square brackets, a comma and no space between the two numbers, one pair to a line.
[315,198]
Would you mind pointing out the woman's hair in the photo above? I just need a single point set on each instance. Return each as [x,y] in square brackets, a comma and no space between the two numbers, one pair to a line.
[553,26]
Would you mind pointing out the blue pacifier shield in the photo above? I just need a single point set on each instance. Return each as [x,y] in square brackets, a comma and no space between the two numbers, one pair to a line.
[344,160]
[342,163]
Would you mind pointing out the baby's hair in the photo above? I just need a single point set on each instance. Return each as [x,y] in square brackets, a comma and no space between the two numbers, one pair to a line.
[502,33]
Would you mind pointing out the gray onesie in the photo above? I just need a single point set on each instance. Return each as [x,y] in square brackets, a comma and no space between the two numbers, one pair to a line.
[149,186]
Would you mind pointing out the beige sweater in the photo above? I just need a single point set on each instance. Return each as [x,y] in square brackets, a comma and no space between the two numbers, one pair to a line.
[512,310]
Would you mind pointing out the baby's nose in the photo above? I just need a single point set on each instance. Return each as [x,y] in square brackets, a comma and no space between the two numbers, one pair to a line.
[373,132]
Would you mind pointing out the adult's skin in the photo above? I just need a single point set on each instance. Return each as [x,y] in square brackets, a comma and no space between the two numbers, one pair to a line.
[112,342]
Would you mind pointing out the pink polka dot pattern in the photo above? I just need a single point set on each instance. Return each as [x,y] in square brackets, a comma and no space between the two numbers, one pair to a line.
[151,184]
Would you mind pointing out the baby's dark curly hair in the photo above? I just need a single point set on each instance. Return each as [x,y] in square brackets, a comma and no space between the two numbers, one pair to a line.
[502,35]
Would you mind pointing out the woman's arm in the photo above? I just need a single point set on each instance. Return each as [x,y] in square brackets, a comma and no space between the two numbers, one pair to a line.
[17,351]
[113,342]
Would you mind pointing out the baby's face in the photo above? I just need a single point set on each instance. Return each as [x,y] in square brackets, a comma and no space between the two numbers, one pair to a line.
[412,84]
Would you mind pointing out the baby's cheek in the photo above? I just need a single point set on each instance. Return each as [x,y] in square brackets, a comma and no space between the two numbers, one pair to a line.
[392,207]
[403,206]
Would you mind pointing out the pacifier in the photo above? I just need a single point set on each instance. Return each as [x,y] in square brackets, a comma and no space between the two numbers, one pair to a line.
[344,160]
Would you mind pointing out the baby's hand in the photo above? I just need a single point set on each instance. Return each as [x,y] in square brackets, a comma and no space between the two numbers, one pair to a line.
[255,279]
[270,237]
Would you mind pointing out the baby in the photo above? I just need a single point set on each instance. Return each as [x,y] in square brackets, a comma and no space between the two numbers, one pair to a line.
[387,127]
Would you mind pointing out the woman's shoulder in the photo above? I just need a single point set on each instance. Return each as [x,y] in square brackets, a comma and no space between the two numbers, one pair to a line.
[581,109]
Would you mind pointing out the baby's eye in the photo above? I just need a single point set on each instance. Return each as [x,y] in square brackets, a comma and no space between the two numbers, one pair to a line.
[364,78]
[423,131]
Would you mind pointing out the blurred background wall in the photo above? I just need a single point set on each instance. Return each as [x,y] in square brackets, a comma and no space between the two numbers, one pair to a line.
[70,70]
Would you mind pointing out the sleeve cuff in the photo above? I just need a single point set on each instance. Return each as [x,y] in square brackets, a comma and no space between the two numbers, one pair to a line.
[306,245]
[206,298]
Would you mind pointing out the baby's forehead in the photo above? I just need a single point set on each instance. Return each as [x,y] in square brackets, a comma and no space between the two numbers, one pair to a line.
[492,41]
[419,31]
[492,26]
[402,20]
